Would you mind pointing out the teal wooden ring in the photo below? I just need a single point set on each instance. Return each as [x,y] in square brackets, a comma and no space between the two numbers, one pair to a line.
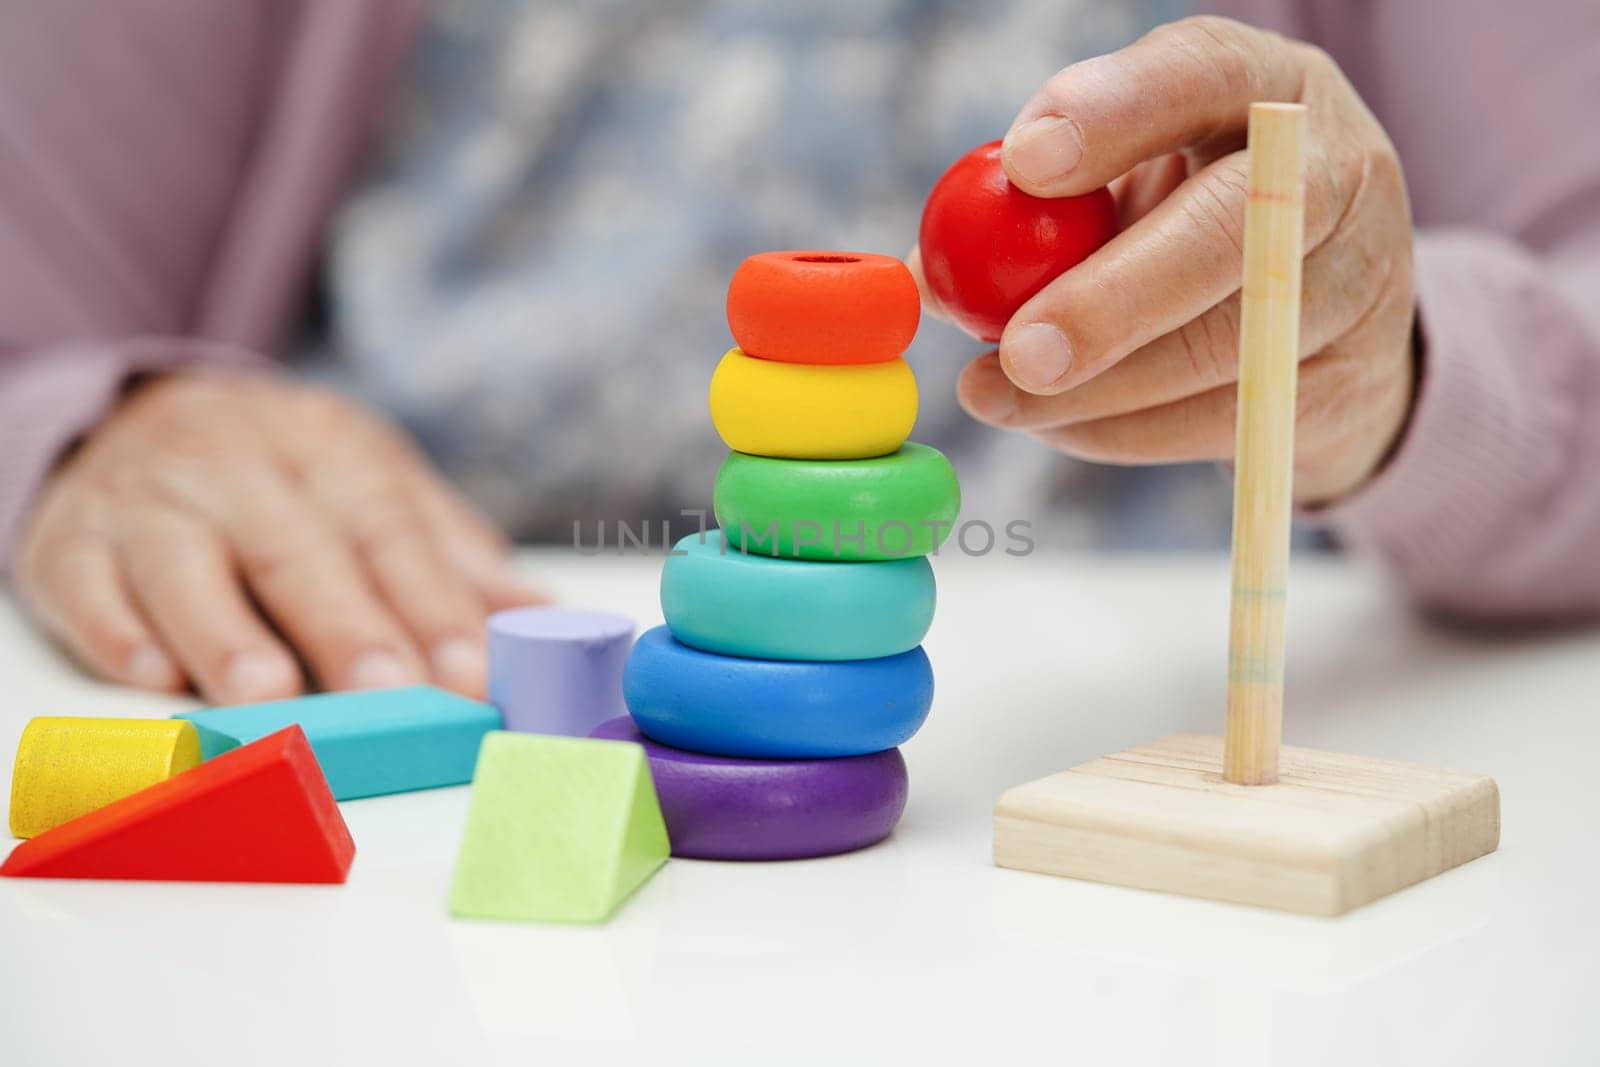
[886,508]
[719,599]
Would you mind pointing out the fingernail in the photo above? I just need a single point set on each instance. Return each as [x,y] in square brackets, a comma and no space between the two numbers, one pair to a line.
[1044,150]
[379,670]
[150,668]
[1036,356]
[460,664]
[253,676]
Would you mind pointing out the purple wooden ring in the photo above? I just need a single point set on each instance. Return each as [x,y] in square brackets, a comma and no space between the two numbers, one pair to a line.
[719,808]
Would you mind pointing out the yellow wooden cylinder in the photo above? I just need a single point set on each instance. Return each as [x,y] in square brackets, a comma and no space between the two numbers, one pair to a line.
[67,767]
[809,411]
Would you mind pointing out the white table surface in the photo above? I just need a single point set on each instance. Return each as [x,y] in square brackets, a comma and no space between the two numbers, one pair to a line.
[917,947]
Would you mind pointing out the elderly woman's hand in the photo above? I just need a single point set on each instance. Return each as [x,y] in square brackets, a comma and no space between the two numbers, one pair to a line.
[220,530]
[1131,357]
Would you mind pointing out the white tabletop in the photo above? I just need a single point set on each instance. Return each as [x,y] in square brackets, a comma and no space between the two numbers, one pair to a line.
[917,947]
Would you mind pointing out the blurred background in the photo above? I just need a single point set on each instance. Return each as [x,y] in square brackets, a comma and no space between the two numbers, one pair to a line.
[530,271]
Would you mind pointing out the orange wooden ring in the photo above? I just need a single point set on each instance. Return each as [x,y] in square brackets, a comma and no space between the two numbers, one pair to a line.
[823,307]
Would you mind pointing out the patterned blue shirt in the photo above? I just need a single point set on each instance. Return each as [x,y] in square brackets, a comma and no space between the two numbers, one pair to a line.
[531,274]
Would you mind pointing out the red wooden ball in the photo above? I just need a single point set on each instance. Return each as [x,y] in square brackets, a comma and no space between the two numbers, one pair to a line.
[988,247]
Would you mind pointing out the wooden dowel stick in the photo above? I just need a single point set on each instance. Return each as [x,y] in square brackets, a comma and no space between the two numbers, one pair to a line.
[1269,343]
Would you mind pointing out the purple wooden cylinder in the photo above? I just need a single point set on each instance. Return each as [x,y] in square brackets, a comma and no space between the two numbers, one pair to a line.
[721,808]
[557,670]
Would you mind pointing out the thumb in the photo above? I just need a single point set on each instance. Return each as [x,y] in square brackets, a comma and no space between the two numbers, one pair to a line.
[1180,85]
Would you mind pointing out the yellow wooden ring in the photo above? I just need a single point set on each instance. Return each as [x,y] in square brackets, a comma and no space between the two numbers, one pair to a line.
[67,767]
[808,411]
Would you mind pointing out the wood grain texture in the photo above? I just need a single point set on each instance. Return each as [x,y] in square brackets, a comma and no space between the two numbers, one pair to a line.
[70,766]
[1269,343]
[1333,833]
[560,829]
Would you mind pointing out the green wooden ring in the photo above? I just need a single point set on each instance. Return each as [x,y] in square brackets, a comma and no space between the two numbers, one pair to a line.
[889,507]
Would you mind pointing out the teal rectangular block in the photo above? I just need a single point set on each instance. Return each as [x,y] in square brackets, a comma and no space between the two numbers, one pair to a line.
[369,743]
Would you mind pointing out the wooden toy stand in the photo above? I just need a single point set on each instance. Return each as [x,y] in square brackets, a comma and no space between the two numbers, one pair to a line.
[1233,818]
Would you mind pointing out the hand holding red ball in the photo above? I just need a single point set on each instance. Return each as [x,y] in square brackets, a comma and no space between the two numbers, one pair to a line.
[1123,346]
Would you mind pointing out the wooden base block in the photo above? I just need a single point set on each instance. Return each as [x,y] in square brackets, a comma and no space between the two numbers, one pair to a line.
[1333,833]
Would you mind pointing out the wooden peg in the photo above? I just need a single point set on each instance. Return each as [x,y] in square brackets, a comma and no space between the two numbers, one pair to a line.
[1269,351]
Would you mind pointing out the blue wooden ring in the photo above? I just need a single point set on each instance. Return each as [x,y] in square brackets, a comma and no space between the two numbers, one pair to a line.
[773,709]
[719,599]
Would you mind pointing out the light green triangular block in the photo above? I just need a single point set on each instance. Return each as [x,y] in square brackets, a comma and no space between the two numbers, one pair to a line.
[560,829]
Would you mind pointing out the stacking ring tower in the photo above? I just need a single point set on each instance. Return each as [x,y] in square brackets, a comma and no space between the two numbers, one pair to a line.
[790,668]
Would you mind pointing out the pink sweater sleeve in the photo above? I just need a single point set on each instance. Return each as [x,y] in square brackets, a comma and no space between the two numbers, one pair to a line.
[1491,505]
[164,173]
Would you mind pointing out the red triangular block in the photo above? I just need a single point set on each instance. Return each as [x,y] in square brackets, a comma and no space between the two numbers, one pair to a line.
[260,813]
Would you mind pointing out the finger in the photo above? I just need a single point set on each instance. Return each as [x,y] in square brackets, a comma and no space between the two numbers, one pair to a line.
[1344,278]
[1172,265]
[73,586]
[1202,427]
[1186,83]
[433,600]
[1193,359]
[182,576]
[1142,188]
[512,589]
[313,588]
[443,613]
[1189,430]
[473,546]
